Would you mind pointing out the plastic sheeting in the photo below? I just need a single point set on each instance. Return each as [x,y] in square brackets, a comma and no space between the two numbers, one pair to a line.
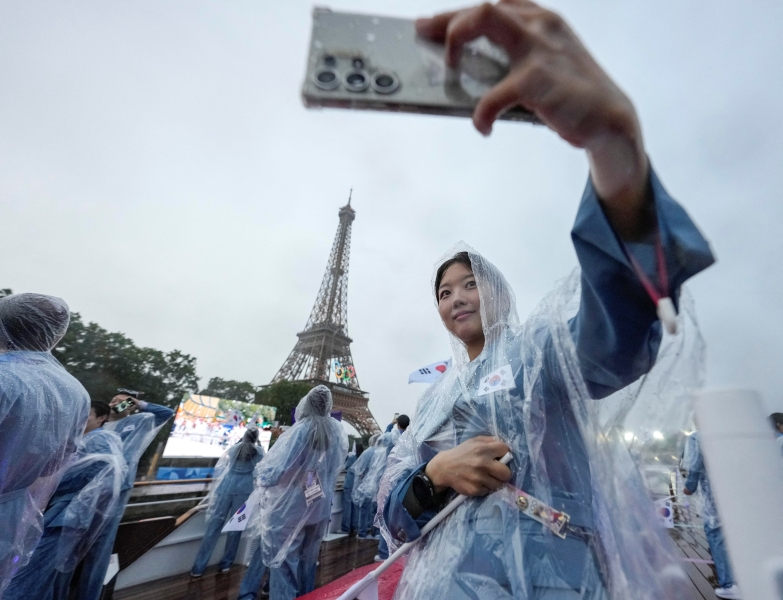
[369,468]
[137,432]
[32,322]
[295,480]
[80,508]
[526,388]
[234,471]
[96,476]
[693,460]
[43,410]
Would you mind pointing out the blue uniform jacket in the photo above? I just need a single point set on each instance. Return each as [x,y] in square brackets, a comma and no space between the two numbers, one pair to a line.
[74,480]
[349,475]
[128,429]
[239,479]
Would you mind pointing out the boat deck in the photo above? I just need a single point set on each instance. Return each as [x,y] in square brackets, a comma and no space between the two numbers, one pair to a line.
[696,559]
[353,553]
[213,585]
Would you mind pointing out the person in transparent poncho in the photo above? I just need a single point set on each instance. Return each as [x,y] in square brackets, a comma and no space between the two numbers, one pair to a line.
[232,485]
[532,388]
[698,481]
[293,496]
[137,426]
[366,472]
[350,516]
[79,510]
[43,410]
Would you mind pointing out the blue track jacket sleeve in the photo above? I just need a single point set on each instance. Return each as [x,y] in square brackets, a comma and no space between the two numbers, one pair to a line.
[161,413]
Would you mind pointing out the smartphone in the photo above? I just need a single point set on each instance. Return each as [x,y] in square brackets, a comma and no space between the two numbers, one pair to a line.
[122,406]
[380,63]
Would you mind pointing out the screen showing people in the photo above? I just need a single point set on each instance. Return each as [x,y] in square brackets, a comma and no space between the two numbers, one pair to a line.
[205,426]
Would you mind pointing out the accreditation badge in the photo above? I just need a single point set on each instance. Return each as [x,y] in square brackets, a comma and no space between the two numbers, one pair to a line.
[312,488]
[554,520]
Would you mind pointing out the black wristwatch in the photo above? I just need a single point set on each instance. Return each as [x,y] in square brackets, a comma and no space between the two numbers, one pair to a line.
[424,490]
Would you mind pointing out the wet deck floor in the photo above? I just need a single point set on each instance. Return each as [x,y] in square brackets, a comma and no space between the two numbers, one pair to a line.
[689,539]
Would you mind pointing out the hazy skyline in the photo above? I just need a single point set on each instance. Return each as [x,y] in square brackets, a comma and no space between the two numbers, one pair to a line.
[159,172]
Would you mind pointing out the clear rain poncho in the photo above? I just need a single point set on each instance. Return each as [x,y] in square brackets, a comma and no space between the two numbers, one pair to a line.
[527,389]
[234,471]
[137,432]
[368,471]
[43,410]
[82,505]
[296,479]
[33,322]
[91,487]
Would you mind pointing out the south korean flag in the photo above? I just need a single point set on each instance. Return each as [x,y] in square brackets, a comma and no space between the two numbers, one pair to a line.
[429,373]
[497,381]
[238,522]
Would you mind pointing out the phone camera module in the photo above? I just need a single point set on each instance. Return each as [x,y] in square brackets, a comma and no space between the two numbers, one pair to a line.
[384,82]
[357,63]
[326,79]
[356,80]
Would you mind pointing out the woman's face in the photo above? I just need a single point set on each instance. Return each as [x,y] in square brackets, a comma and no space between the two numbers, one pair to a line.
[459,304]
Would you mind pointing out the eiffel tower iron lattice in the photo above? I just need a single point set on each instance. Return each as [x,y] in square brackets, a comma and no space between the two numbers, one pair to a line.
[323,351]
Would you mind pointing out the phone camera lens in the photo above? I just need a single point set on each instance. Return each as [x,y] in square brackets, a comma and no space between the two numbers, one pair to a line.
[326,79]
[330,60]
[356,80]
[384,82]
[357,63]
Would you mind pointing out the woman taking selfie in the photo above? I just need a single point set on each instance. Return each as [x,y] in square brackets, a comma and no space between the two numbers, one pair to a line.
[569,516]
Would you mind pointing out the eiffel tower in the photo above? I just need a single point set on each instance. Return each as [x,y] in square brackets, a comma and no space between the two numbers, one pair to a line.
[323,351]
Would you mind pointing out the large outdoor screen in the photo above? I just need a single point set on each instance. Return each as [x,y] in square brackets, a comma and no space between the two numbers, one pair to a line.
[205,426]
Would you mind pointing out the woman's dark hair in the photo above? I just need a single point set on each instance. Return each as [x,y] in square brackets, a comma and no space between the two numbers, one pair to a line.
[101,408]
[460,258]
[359,449]
[247,447]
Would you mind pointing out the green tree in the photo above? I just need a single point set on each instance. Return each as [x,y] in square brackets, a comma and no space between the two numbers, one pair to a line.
[104,361]
[284,396]
[5,292]
[230,389]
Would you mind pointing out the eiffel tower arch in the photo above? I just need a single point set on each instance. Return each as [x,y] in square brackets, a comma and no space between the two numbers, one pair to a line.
[323,347]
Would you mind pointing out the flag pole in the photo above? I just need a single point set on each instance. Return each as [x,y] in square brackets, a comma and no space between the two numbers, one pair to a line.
[357,588]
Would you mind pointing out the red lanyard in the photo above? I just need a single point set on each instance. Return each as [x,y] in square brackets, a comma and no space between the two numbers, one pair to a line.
[663,302]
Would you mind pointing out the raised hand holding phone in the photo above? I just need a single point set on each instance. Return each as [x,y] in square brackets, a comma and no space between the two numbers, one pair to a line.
[553,75]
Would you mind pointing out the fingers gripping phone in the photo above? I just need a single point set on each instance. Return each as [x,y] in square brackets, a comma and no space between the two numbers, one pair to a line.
[380,63]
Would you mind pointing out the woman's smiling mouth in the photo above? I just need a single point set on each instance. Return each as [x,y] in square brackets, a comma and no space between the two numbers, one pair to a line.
[463,315]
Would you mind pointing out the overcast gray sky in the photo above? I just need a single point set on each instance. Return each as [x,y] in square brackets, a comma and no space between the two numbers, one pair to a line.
[159,172]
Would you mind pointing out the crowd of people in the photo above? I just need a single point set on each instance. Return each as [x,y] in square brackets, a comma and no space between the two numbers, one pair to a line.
[68,463]
[567,518]
[62,538]
[208,431]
